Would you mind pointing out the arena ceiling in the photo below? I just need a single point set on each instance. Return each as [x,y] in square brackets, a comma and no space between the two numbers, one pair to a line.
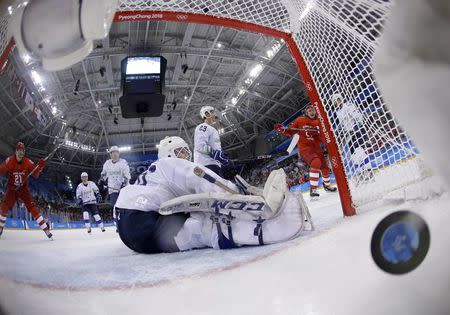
[250,78]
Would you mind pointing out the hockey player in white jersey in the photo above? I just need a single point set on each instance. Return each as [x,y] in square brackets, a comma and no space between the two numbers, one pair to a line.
[351,130]
[115,175]
[88,196]
[207,147]
[204,214]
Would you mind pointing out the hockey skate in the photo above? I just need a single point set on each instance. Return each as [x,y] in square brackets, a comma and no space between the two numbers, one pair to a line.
[314,194]
[329,188]
[103,229]
[49,234]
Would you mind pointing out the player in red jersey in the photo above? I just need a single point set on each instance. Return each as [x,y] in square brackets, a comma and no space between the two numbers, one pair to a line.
[18,168]
[309,148]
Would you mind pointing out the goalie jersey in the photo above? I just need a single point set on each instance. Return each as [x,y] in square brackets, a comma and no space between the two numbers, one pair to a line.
[166,179]
[205,135]
[118,174]
[87,193]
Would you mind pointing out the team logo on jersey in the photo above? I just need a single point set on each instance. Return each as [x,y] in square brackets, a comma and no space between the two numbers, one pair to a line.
[141,201]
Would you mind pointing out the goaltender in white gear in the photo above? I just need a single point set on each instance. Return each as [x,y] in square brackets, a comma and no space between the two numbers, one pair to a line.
[232,220]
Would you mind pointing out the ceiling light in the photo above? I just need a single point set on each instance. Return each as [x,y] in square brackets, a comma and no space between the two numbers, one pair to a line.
[256,70]
[110,108]
[219,45]
[169,116]
[116,120]
[124,149]
[26,58]
[36,77]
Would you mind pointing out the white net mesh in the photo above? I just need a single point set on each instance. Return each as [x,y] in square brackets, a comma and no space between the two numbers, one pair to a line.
[337,41]
[4,39]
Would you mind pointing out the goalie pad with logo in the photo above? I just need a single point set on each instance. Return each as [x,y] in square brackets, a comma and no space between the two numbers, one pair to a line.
[226,221]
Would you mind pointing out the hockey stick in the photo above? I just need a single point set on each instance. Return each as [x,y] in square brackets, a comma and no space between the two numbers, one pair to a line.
[261,157]
[302,129]
[201,173]
[37,166]
[294,141]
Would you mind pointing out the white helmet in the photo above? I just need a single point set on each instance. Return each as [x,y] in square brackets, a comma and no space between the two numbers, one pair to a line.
[172,147]
[337,99]
[84,174]
[114,148]
[204,110]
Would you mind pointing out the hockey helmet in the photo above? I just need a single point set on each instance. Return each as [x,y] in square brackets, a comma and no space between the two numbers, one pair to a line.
[172,147]
[84,174]
[204,110]
[114,148]
[337,99]
[19,146]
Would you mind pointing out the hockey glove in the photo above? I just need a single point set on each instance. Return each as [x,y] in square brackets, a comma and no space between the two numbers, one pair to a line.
[220,156]
[41,163]
[102,183]
[278,128]
[98,197]
[124,183]
[80,202]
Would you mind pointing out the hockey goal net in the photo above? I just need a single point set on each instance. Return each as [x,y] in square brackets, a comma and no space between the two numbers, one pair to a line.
[333,44]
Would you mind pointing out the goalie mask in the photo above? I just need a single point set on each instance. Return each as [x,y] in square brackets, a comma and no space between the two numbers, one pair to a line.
[174,147]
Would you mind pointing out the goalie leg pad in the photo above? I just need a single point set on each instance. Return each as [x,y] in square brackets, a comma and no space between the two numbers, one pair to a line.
[228,232]
[275,189]
[283,227]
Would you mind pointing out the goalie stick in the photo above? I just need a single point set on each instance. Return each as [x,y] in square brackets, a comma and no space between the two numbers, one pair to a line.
[201,173]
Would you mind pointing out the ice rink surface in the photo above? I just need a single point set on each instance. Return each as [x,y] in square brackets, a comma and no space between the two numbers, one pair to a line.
[327,271]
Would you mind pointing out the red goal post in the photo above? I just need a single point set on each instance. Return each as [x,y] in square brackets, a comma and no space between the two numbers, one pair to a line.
[332,43]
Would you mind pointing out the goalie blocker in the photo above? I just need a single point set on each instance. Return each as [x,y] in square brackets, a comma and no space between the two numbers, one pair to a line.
[210,217]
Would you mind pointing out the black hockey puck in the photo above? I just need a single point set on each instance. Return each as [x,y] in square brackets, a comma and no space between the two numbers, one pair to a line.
[400,242]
